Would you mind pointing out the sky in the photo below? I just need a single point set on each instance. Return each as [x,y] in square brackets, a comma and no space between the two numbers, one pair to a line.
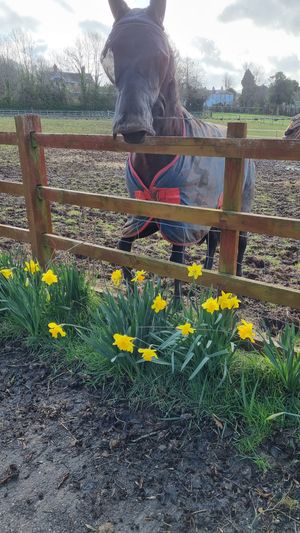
[222,34]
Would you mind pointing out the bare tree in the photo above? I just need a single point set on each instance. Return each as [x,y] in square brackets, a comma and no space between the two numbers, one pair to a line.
[84,56]
[258,72]
[227,81]
[22,50]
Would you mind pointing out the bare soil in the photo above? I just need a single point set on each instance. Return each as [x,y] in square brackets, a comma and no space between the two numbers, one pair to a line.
[270,259]
[75,460]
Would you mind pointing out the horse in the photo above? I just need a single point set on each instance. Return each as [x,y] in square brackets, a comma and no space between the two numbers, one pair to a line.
[293,131]
[139,61]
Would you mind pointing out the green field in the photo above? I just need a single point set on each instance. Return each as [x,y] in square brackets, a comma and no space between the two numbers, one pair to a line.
[258,125]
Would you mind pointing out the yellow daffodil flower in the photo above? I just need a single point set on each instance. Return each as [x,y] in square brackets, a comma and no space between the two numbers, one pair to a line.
[32,267]
[211,305]
[194,271]
[148,354]
[49,277]
[7,273]
[55,330]
[140,276]
[186,329]
[123,342]
[228,301]
[234,303]
[224,300]
[117,277]
[159,304]
[245,330]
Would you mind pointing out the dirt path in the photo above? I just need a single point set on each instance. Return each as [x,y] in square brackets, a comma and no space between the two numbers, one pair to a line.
[73,460]
[273,260]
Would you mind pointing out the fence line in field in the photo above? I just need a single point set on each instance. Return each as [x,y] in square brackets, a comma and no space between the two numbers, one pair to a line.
[235,148]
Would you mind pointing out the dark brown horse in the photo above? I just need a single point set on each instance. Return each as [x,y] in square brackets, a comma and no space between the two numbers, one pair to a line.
[139,61]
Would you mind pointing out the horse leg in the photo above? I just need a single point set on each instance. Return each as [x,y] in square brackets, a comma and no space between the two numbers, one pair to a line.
[177,256]
[241,250]
[212,240]
[125,244]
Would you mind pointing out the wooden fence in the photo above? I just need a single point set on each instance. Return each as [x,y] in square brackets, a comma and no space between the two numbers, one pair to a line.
[235,148]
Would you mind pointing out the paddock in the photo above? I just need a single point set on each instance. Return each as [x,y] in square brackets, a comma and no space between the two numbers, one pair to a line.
[41,200]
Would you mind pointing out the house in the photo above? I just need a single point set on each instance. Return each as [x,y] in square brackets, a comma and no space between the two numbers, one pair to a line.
[219,97]
[71,80]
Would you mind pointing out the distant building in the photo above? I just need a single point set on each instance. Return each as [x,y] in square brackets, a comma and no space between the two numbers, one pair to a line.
[71,80]
[219,97]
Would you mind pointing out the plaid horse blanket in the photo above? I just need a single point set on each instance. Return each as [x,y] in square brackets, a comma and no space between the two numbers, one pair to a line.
[186,180]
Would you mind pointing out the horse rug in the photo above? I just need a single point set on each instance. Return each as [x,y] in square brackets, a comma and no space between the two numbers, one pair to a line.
[186,180]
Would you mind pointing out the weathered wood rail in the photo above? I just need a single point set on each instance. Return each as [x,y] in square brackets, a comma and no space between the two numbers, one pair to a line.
[235,148]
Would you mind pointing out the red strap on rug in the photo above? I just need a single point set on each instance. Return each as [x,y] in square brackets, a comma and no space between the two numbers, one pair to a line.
[168,195]
[142,195]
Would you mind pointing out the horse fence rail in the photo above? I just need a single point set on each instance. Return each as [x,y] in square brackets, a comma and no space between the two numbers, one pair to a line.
[235,148]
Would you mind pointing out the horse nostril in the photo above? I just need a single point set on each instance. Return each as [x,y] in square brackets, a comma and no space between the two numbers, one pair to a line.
[135,137]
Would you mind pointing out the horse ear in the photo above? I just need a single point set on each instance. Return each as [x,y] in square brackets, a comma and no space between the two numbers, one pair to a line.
[157,10]
[119,8]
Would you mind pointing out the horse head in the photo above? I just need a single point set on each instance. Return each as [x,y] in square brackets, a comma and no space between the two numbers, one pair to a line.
[138,59]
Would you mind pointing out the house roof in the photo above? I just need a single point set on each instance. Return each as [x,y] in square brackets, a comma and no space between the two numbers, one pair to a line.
[71,78]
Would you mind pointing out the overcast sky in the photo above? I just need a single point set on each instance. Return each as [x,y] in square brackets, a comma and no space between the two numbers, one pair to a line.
[223,34]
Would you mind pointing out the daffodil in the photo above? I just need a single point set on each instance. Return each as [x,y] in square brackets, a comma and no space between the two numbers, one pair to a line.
[159,304]
[32,267]
[228,301]
[123,342]
[211,305]
[117,277]
[49,277]
[245,330]
[234,303]
[140,276]
[55,330]
[7,273]
[224,300]
[194,271]
[27,282]
[186,329]
[148,354]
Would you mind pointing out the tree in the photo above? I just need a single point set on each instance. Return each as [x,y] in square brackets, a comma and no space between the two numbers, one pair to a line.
[282,90]
[190,78]
[228,81]
[249,89]
[257,71]
[84,57]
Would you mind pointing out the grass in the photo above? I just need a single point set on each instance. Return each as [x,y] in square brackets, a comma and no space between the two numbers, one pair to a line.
[258,125]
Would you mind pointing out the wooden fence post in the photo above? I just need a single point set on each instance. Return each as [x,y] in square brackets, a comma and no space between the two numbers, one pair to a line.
[232,201]
[33,166]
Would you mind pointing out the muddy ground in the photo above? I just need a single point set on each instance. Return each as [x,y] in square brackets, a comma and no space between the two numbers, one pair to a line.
[269,259]
[74,460]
